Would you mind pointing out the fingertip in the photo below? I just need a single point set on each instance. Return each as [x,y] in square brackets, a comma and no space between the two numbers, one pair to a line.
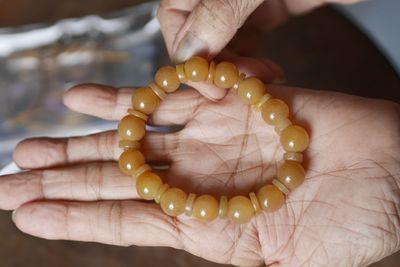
[42,219]
[19,154]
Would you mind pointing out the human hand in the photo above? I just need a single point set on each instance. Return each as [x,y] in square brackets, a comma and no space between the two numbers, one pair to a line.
[227,28]
[345,214]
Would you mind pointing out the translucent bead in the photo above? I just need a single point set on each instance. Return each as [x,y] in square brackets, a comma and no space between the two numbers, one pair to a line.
[158,90]
[270,198]
[223,207]
[196,69]
[281,125]
[211,70]
[281,186]
[257,106]
[173,201]
[131,128]
[274,110]
[138,114]
[254,202]
[291,174]
[205,208]
[126,144]
[148,184]
[180,71]
[240,209]
[225,75]
[142,169]
[294,156]
[294,139]
[189,204]
[167,79]
[251,90]
[241,77]
[145,100]
[160,193]
[130,160]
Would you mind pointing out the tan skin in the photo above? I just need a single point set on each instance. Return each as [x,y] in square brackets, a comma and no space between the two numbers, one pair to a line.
[346,213]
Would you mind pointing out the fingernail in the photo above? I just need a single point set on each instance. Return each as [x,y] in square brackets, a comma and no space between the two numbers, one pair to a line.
[13,215]
[190,46]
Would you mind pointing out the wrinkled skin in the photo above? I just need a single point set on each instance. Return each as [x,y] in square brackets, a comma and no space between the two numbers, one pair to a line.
[345,214]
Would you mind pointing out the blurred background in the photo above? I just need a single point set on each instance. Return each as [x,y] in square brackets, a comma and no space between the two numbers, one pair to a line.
[48,46]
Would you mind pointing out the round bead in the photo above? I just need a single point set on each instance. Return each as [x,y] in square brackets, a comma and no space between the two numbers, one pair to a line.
[173,201]
[294,138]
[274,110]
[225,75]
[270,198]
[291,174]
[148,184]
[167,79]
[251,90]
[160,193]
[205,208]
[196,69]
[145,100]
[130,160]
[131,128]
[240,209]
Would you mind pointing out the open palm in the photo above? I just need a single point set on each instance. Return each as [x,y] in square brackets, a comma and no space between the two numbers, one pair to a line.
[346,213]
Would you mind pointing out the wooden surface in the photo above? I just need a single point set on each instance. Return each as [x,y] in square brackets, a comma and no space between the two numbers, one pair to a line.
[321,50]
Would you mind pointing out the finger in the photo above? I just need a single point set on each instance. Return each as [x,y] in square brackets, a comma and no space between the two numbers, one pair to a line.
[44,152]
[121,223]
[88,182]
[110,103]
[207,29]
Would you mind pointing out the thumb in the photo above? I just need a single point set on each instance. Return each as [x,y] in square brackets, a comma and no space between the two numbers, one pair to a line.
[210,27]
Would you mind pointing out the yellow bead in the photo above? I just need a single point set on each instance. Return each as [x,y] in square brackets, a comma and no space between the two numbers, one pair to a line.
[294,156]
[180,71]
[294,139]
[189,204]
[205,208]
[148,184]
[291,174]
[130,160]
[196,69]
[270,198]
[240,209]
[251,90]
[173,201]
[131,128]
[274,110]
[223,207]
[145,100]
[225,75]
[167,79]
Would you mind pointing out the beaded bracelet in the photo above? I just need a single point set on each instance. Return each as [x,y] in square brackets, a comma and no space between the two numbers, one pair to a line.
[174,201]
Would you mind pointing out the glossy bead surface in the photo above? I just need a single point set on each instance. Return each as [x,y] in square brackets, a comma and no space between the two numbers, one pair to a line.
[148,184]
[274,110]
[294,138]
[223,207]
[293,156]
[291,174]
[225,75]
[167,79]
[131,128]
[240,209]
[251,90]
[145,100]
[196,69]
[205,207]
[270,198]
[130,160]
[173,201]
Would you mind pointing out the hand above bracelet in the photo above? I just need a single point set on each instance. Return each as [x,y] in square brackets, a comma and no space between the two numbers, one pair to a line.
[346,212]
